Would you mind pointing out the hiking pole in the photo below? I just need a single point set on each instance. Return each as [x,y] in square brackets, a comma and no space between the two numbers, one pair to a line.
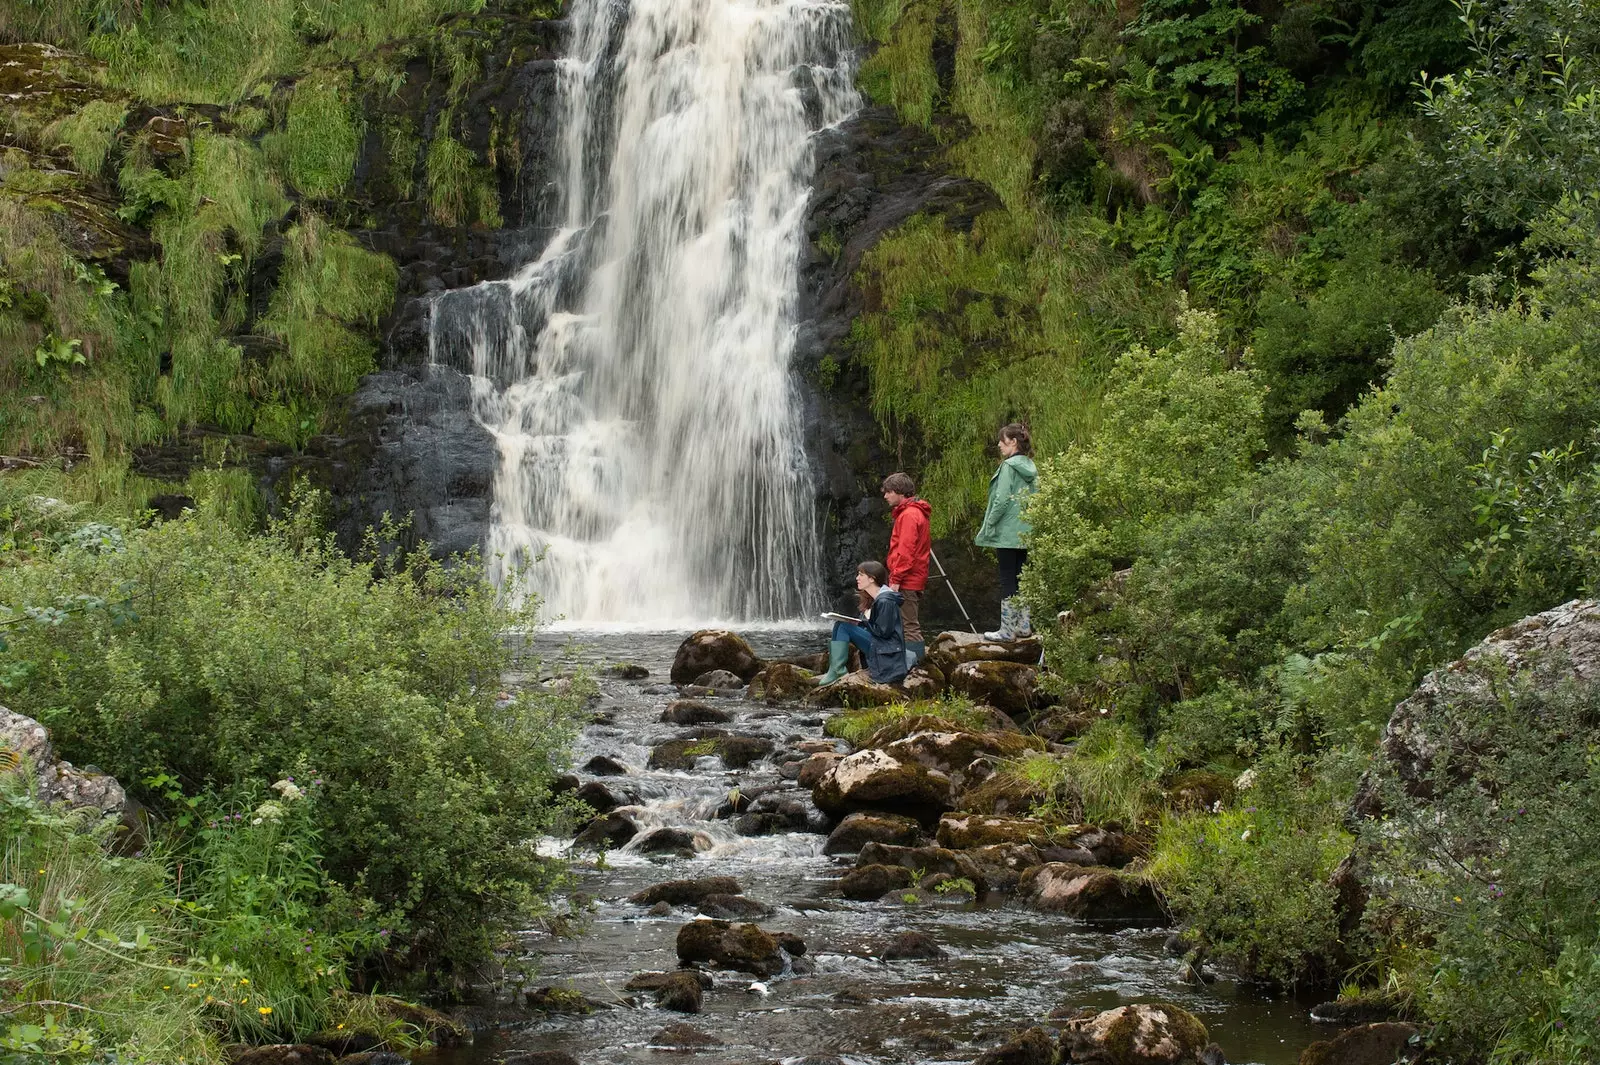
[951,585]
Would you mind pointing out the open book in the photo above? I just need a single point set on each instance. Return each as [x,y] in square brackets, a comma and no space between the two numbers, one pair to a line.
[846,618]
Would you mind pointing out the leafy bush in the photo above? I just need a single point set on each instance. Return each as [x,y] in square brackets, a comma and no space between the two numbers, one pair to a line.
[229,661]
[1252,883]
[1493,873]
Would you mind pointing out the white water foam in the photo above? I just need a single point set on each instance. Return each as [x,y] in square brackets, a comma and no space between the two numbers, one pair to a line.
[636,376]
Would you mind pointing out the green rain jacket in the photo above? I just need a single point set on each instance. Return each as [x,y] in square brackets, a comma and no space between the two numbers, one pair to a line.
[1015,480]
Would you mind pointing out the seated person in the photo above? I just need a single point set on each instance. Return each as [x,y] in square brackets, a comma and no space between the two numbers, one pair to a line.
[879,635]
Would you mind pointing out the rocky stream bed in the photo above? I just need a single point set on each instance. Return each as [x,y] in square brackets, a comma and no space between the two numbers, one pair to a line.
[901,937]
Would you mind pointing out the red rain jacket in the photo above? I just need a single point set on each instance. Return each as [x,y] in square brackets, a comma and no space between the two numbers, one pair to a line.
[909,546]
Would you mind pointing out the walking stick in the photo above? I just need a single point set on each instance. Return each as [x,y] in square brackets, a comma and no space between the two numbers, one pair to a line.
[951,585]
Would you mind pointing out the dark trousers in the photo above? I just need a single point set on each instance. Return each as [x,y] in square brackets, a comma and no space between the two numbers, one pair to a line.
[855,634]
[1012,559]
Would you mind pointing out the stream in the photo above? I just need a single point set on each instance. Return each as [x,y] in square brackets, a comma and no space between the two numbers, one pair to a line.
[1008,966]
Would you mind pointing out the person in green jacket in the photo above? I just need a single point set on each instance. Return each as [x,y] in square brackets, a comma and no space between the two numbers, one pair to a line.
[1004,530]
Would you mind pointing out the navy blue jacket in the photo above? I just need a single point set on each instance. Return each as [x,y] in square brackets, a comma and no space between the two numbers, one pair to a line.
[887,662]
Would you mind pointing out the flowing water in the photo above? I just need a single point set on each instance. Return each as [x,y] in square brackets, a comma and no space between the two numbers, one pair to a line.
[636,376]
[1008,965]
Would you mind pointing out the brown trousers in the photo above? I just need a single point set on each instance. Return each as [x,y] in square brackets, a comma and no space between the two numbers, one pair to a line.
[910,601]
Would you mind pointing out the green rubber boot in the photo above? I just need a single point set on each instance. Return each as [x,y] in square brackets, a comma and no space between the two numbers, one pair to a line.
[838,662]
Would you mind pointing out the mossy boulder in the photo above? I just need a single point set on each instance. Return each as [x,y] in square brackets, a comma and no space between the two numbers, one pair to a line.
[723,945]
[681,991]
[558,1000]
[713,649]
[1062,724]
[814,768]
[1032,1047]
[1155,1033]
[857,689]
[926,681]
[859,829]
[950,649]
[868,883]
[924,860]
[1002,865]
[1007,686]
[953,753]
[1003,795]
[1089,892]
[912,946]
[693,712]
[960,831]
[279,1054]
[781,682]
[736,752]
[876,780]
[686,892]
[1371,1044]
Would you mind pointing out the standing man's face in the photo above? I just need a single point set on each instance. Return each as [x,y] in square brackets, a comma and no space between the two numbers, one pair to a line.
[894,499]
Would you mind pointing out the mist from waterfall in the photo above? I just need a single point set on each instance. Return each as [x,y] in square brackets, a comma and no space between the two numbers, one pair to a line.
[636,376]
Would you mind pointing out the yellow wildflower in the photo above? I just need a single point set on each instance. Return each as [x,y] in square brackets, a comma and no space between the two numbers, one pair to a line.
[263,1010]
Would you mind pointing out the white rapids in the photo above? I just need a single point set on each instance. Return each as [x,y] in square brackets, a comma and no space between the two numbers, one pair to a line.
[636,376]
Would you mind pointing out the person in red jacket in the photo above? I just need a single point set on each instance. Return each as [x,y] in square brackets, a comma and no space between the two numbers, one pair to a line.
[909,547]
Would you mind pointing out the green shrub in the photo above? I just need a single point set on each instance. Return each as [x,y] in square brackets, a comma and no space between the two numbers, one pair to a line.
[1251,883]
[1488,883]
[87,949]
[230,661]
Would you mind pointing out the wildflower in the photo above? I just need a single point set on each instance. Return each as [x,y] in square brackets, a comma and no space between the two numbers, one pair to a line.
[244,979]
[268,811]
[288,789]
[193,986]
[263,1010]
[339,1027]
[210,999]
[1245,780]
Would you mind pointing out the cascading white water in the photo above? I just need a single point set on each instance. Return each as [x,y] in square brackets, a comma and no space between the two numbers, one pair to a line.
[636,377]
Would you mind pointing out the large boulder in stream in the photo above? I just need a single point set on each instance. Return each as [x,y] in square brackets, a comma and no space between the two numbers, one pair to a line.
[723,945]
[1007,686]
[959,831]
[953,753]
[857,689]
[950,649]
[1370,1044]
[869,883]
[1032,1047]
[1153,1033]
[686,892]
[693,712]
[924,861]
[877,780]
[781,681]
[1089,892]
[712,649]
[611,831]
[859,829]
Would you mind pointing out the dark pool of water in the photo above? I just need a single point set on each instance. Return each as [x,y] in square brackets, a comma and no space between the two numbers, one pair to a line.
[1008,965]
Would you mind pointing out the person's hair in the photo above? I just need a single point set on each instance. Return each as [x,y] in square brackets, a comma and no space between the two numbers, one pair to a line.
[877,571]
[900,484]
[1018,432]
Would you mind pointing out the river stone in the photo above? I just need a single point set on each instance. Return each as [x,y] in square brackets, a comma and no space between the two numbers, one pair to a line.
[1371,1044]
[719,680]
[857,689]
[667,843]
[739,752]
[649,981]
[912,946]
[598,797]
[923,682]
[960,831]
[958,647]
[690,712]
[282,1054]
[683,1037]
[627,671]
[714,649]
[559,1000]
[953,753]
[781,681]
[540,1057]
[681,754]
[859,829]
[925,860]
[1092,893]
[1032,1047]
[613,830]
[686,892]
[1155,1033]
[680,992]
[1006,686]
[876,780]
[868,883]
[1003,864]
[602,766]
[733,908]
[816,767]
[745,947]
[374,1057]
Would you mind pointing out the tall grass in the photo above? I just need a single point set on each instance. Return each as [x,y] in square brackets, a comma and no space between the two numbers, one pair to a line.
[1109,776]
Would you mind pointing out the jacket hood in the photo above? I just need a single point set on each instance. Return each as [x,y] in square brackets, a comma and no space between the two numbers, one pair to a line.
[1024,467]
[915,504]
[886,592]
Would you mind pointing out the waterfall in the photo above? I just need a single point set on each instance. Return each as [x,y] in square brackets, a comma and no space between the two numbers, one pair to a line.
[636,376]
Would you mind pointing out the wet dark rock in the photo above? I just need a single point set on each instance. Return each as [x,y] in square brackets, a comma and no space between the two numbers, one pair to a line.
[374,1057]
[1093,893]
[816,767]
[1371,1044]
[859,829]
[683,1037]
[924,860]
[857,689]
[681,754]
[660,909]
[598,797]
[721,944]
[719,679]
[282,1054]
[628,671]
[540,1057]
[602,766]
[690,712]
[1006,686]
[792,944]
[652,981]
[781,681]
[659,689]
[733,908]
[714,649]
[868,883]
[1155,1033]
[667,842]
[912,946]
[680,992]
[613,830]
[1002,864]
[564,783]
[875,780]
[1032,1047]
[739,752]
[558,1000]
[687,892]
[1347,1011]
